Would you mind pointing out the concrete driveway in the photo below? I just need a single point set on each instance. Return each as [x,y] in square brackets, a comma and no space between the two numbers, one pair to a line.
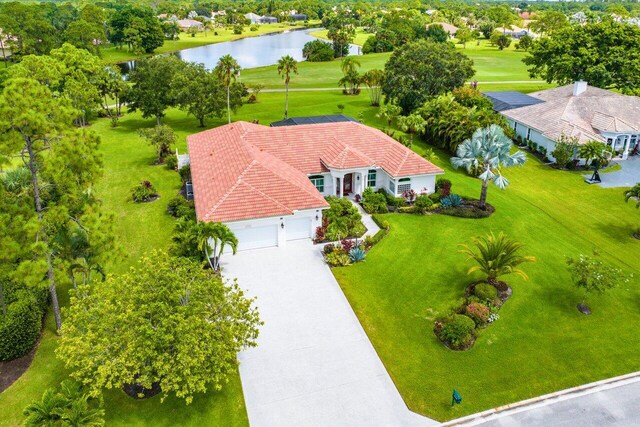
[628,176]
[314,364]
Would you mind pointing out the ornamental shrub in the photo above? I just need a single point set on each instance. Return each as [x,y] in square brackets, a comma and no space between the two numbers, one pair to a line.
[443,186]
[485,292]
[21,325]
[451,201]
[179,207]
[423,203]
[171,162]
[374,202]
[143,192]
[478,312]
[185,173]
[338,259]
[457,330]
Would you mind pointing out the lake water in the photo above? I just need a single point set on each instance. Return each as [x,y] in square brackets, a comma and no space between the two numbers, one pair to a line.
[250,52]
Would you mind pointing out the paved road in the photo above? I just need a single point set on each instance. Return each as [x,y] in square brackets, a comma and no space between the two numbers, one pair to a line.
[618,406]
[628,176]
[314,365]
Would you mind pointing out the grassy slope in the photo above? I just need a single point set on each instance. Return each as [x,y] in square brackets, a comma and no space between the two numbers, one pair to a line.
[541,342]
[113,54]
[143,227]
[491,65]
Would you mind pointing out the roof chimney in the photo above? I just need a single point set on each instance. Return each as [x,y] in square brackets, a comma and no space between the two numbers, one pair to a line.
[579,87]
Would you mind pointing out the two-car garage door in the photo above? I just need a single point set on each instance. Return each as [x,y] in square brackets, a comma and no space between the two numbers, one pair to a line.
[266,235]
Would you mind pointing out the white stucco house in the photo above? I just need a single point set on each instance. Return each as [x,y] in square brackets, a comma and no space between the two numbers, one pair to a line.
[269,184]
[576,110]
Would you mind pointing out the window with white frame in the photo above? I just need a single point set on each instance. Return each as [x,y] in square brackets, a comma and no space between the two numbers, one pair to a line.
[404,185]
[392,187]
[318,182]
[371,178]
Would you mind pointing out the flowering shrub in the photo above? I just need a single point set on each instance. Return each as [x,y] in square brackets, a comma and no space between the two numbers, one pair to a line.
[478,312]
[144,192]
[347,244]
[320,234]
[493,317]
[409,195]
[443,186]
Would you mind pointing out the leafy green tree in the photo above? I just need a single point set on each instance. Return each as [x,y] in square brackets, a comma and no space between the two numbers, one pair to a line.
[595,152]
[598,53]
[31,33]
[226,70]
[565,150]
[199,325]
[286,66]
[549,22]
[200,93]
[502,16]
[374,79]
[422,70]
[436,33]
[137,27]
[112,89]
[464,36]
[525,43]
[487,28]
[592,275]
[496,256]
[318,51]
[383,41]
[341,30]
[82,34]
[488,151]
[151,82]
[216,236]
[389,112]
[501,41]
[633,193]
[412,124]
[161,137]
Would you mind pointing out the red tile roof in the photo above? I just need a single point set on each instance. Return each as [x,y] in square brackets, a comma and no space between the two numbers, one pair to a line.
[243,170]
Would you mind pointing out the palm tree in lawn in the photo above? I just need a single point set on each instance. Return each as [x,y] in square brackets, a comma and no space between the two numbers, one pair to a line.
[488,152]
[496,256]
[286,66]
[218,234]
[633,193]
[226,70]
[412,124]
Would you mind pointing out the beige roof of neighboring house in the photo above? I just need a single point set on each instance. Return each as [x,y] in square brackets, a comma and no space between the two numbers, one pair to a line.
[584,116]
[451,29]
[188,23]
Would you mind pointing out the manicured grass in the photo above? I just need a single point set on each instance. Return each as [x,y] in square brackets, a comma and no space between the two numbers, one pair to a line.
[541,343]
[495,70]
[112,54]
[361,35]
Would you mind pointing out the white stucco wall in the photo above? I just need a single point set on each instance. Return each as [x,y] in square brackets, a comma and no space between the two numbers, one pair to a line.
[419,183]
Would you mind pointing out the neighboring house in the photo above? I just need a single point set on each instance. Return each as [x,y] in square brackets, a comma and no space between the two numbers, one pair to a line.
[516,32]
[254,18]
[186,24]
[268,20]
[576,110]
[298,16]
[527,15]
[451,29]
[313,120]
[269,184]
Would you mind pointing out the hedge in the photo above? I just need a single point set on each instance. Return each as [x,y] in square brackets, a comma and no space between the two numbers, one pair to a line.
[21,326]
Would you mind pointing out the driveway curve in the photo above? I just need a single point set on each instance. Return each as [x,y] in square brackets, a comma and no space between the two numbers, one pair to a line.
[314,364]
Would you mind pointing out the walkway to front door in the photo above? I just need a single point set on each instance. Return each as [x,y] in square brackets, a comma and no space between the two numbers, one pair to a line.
[314,364]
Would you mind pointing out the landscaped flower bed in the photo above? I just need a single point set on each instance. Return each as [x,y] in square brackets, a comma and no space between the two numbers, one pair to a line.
[341,221]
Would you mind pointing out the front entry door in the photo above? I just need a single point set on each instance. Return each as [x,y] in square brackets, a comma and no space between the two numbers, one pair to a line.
[347,184]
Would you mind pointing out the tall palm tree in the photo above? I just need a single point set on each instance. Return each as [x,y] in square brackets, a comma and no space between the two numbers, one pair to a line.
[633,193]
[226,70]
[496,256]
[412,124]
[286,66]
[218,234]
[488,151]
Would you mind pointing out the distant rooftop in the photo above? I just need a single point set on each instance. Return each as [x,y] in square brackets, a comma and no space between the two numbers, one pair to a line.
[507,100]
[313,120]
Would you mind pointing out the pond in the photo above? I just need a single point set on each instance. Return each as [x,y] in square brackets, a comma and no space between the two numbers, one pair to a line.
[250,52]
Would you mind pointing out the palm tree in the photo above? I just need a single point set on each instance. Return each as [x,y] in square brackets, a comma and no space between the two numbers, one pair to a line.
[488,151]
[349,65]
[496,256]
[633,193]
[351,77]
[388,112]
[79,413]
[226,70]
[412,124]
[218,234]
[595,152]
[46,412]
[286,66]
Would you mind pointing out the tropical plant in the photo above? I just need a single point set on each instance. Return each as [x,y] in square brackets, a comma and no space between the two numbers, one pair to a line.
[592,275]
[488,151]
[633,193]
[143,192]
[451,201]
[286,66]
[351,79]
[412,124]
[70,406]
[595,153]
[496,256]
[218,234]
[389,112]
[226,70]
[357,254]
[374,79]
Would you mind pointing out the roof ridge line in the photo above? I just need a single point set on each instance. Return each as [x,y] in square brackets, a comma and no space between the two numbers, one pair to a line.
[233,187]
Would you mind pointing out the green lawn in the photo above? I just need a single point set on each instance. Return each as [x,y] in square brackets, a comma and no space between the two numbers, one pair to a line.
[541,343]
[112,54]
[495,70]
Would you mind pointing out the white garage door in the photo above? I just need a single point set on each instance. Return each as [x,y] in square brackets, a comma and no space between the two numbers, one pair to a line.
[256,237]
[299,228]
